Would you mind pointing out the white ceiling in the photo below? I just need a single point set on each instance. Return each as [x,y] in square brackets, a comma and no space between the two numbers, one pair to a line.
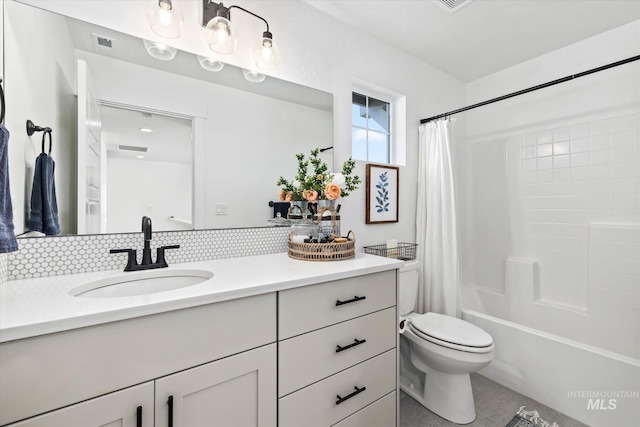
[484,36]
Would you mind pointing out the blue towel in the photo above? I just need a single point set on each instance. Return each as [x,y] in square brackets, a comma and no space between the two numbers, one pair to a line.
[8,241]
[44,206]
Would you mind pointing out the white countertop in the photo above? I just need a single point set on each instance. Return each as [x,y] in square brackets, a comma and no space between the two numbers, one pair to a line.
[40,306]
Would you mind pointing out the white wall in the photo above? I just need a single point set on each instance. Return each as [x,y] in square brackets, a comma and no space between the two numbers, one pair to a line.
[47,99]
[323,53]
[554,177]
[137,188]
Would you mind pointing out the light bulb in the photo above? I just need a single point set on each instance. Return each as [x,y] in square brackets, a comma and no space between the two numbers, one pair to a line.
[160,51]
[253,76]
[266,53]
[164,19]
[210,64]
[220,37]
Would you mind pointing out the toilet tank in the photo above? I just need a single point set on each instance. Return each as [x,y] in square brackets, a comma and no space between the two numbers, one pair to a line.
[408,287]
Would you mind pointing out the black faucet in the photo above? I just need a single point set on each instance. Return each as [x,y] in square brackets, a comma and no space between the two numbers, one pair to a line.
[146,231]
[147,263]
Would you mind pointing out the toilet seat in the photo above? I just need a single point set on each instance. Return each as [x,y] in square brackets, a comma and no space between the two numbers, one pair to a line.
[451,332]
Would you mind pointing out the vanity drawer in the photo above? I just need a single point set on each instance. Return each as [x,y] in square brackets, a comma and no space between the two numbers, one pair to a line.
[312,307]
[381,413]
[311,357]
[317,405]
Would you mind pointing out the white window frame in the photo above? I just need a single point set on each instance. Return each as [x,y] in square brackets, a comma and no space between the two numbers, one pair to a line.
[398,116]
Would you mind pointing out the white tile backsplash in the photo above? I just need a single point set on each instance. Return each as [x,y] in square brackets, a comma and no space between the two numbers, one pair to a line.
[50,256]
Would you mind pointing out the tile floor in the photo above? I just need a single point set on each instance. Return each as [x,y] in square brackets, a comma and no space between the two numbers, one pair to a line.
[495,406]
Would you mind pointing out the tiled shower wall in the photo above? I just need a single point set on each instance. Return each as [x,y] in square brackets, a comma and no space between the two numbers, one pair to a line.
[569,198]
[39,257]
[563,180]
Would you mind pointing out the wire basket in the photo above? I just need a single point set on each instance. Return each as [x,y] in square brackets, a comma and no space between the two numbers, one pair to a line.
[404,251]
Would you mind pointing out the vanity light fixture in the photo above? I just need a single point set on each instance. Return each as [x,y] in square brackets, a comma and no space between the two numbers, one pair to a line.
[146,130]
[216,18]
[164,19]
[210,64]
[159,50]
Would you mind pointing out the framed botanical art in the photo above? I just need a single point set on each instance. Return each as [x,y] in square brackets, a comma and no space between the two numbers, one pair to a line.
[382,194]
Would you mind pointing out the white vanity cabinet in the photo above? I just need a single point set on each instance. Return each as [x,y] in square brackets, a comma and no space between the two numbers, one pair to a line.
[337,359]
[315,351]
[202,356]
[236,391]
[131,407]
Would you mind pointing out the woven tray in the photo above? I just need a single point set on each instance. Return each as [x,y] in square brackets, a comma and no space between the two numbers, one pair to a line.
[323,251]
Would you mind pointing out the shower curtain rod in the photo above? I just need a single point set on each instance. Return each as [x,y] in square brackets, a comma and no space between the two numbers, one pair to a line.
[531,89]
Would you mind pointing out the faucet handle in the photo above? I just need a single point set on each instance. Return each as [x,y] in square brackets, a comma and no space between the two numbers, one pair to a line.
[160,254]
[131,259]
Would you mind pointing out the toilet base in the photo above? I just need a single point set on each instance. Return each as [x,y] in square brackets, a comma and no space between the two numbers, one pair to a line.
[447,395]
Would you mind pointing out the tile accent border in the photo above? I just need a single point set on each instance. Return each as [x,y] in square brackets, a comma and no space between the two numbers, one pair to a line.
[41,256]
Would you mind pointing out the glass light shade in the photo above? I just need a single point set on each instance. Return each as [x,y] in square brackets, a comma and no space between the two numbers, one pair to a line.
[220,37]
[210,64]
[160,51]
[253,76]
[164,19]
[266,54]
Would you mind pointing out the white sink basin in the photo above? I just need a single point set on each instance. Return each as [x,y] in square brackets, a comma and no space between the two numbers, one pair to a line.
[141,283]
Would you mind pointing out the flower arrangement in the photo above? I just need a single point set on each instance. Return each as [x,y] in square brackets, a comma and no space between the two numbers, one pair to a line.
[321,184]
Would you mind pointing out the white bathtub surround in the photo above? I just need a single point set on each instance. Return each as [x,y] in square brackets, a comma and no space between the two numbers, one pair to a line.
[550,209]
[436,224]
[574,378]
[558,249]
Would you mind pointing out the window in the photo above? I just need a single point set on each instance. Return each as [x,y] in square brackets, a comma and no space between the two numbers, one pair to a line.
[370,129]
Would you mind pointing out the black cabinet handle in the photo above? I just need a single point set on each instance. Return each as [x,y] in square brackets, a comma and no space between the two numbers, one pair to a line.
[346,347]
[342,399]
[139,416]
[170,403]
[355,298]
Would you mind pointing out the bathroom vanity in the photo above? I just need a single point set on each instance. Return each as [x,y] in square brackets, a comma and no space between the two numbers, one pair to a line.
[267,341]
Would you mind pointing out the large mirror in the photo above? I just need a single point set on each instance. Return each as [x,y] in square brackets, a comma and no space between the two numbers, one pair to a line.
[134,135]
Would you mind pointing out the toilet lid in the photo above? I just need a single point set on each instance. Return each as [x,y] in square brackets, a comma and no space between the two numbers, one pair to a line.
[451,330]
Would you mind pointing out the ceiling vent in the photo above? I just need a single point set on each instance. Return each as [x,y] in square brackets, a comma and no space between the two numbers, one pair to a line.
[452,6]
[132,148]
[101,44]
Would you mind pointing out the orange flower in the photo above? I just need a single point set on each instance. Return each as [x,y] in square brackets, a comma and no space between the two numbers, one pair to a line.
[310,195]
[332,191]
[288,197]
[319,177]
[281,195]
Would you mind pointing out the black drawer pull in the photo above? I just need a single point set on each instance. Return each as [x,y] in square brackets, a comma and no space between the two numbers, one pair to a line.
[350,301]
[342,399]
[170,403]
[139,416]
[346,347]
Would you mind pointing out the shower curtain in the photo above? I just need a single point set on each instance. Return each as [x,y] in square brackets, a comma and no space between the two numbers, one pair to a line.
[439,289]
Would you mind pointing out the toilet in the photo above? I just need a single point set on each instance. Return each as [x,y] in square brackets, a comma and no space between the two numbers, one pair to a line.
[437,354]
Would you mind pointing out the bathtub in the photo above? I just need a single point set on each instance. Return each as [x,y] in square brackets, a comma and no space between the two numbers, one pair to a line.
[597,387]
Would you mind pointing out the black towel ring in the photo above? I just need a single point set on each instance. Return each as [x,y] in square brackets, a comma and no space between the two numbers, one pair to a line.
[47,131]
[2,104]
